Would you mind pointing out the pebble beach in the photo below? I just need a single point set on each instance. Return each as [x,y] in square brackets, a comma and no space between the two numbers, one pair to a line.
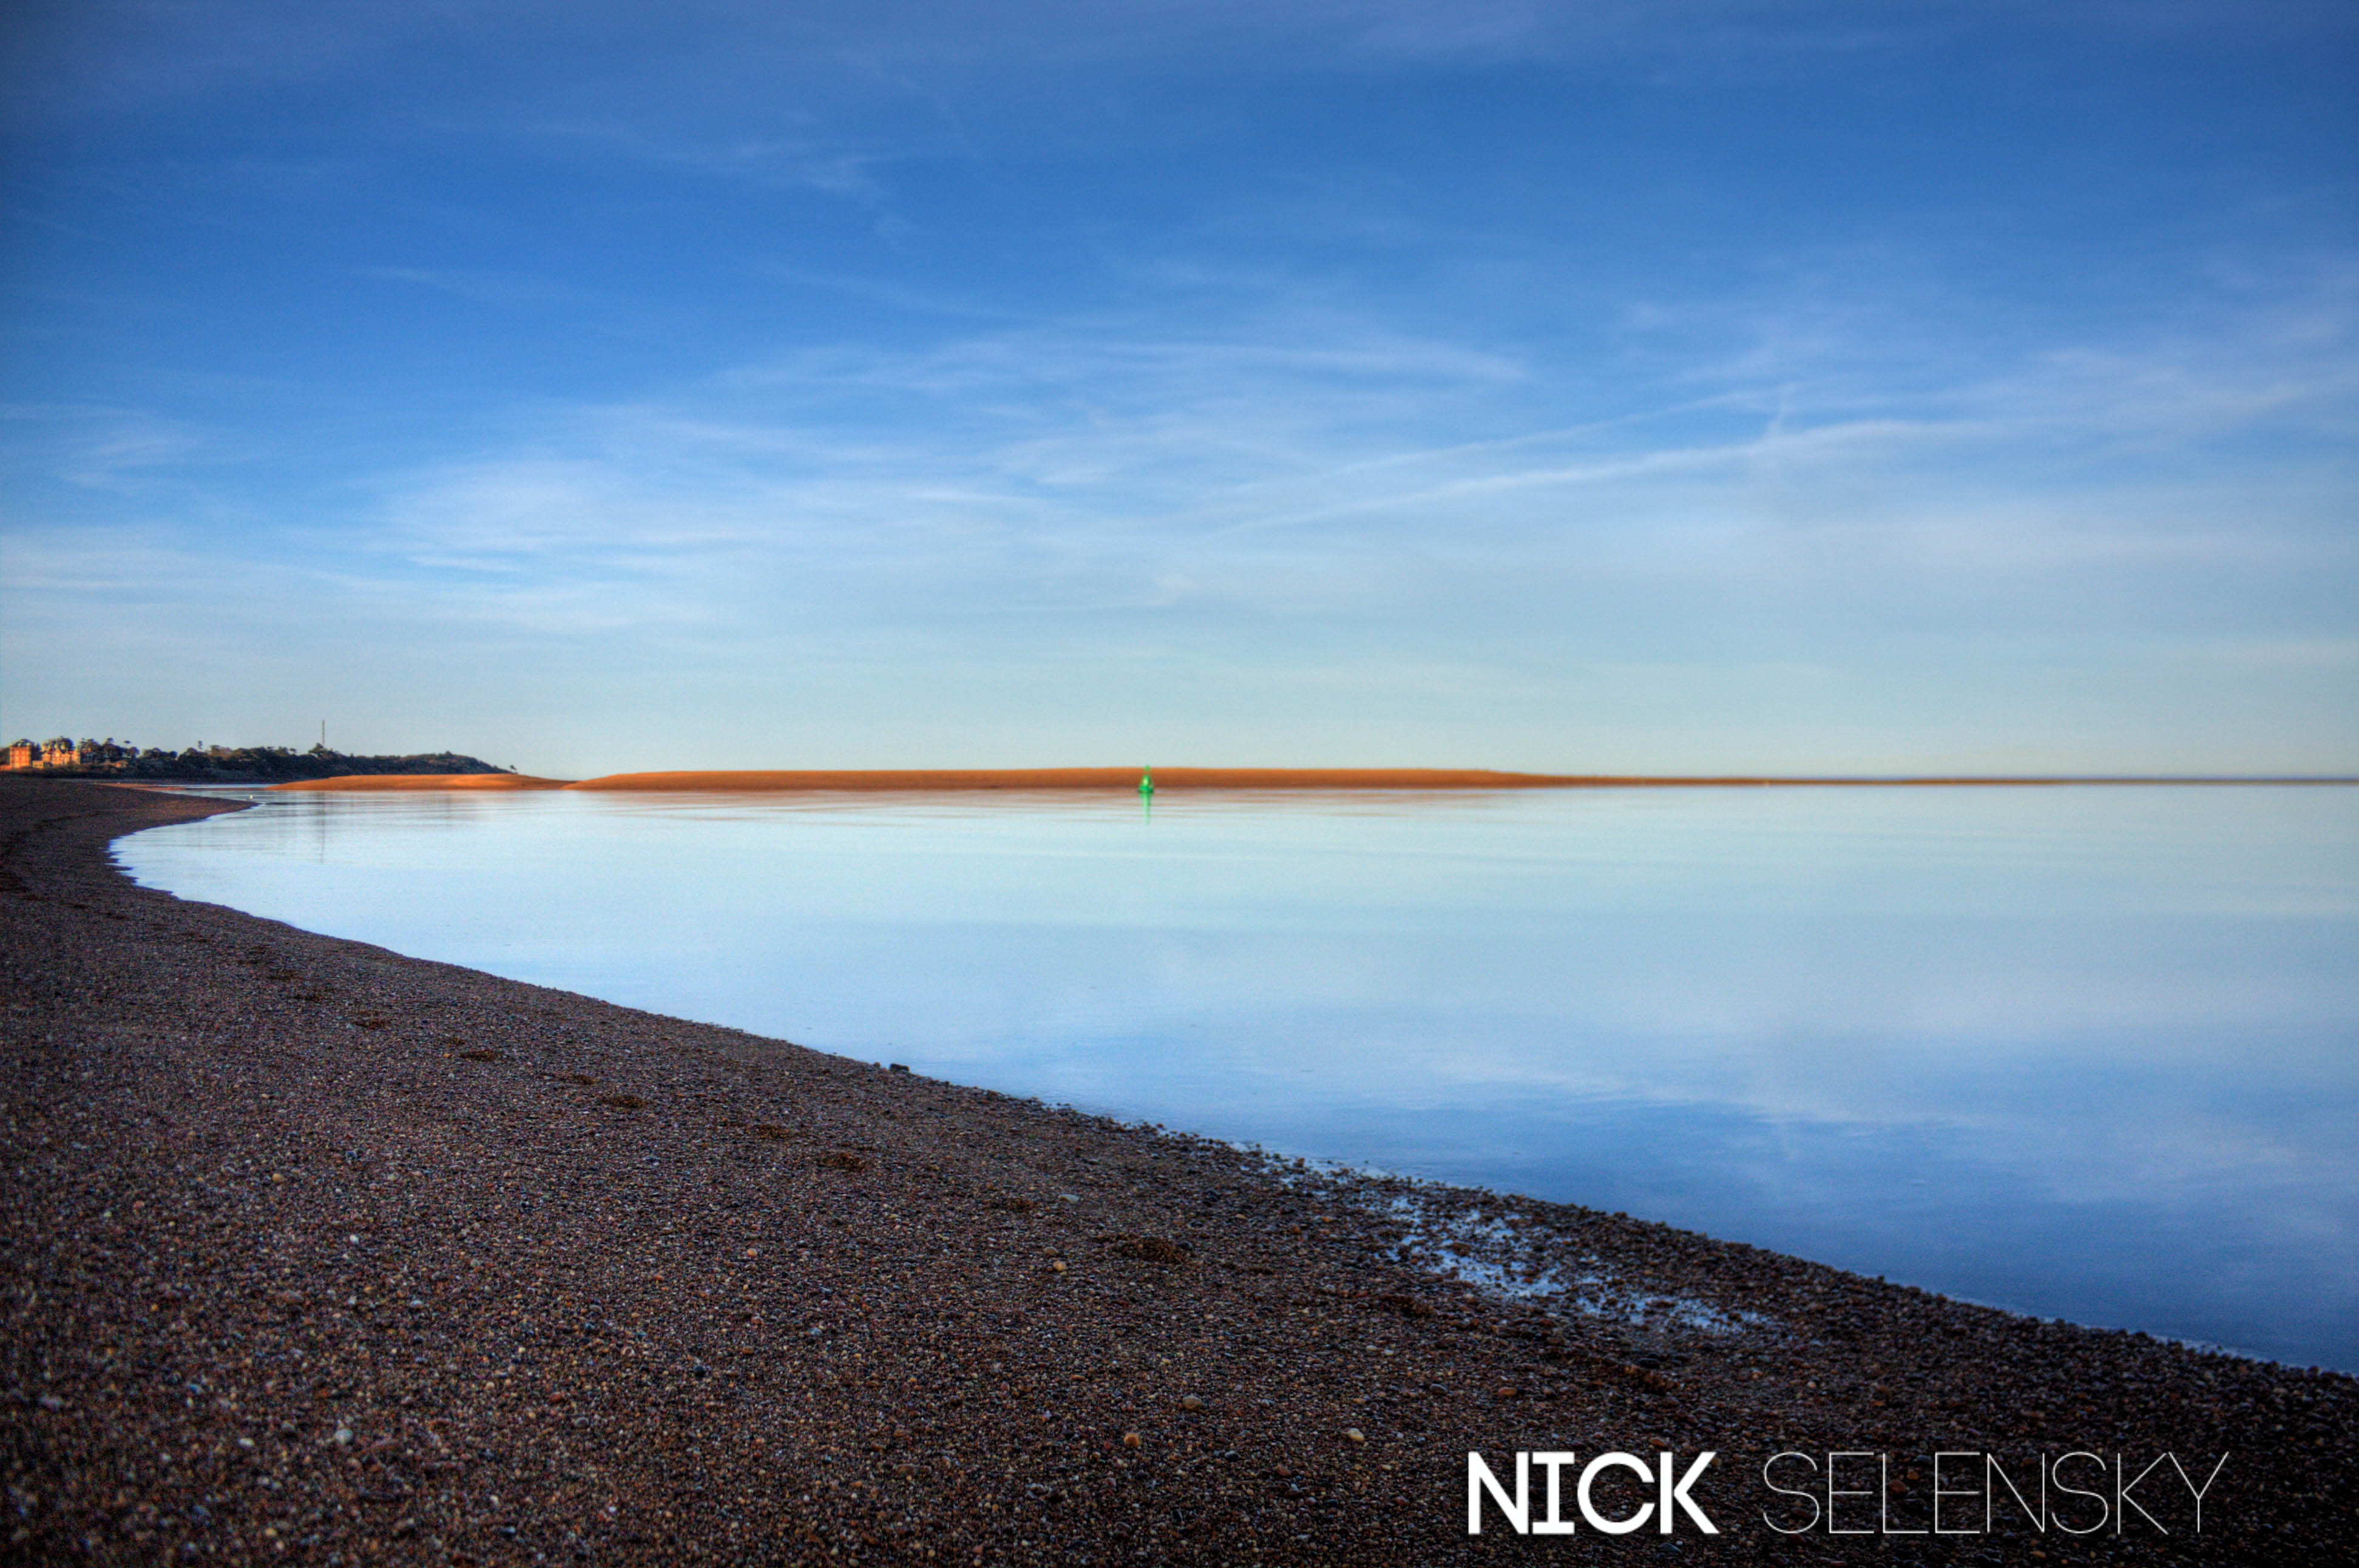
[318,1253]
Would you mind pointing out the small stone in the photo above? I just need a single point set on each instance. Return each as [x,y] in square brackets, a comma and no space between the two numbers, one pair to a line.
[1505,1393]
[344,1436]
[1058,1266]
[1190,1402]
[1354,1434]
[1132,1440]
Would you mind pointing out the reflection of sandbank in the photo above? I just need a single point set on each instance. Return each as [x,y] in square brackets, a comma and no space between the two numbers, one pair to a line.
[984,778]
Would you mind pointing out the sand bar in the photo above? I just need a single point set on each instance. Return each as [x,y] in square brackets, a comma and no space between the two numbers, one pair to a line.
[316,1251]
[1113,779]
[980,779]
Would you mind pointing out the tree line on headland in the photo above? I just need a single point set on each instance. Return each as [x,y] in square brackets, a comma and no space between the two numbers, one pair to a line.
[66,758]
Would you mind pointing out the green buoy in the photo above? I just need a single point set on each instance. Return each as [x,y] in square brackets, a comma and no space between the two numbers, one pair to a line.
[1147,783]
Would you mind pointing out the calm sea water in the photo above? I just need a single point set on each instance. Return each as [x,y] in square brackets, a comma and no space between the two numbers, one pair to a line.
[2090,1053]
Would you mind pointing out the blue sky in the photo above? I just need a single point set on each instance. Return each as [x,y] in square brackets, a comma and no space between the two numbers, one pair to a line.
[1677,386]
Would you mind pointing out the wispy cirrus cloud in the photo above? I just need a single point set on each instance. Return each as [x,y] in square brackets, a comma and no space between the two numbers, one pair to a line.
[98,447]
[504,290]
[1169,460]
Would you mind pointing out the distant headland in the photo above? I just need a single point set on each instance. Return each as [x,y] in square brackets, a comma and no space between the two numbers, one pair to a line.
[64,756]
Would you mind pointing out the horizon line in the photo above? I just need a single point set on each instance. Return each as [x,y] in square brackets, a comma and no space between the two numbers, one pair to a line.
[769,781]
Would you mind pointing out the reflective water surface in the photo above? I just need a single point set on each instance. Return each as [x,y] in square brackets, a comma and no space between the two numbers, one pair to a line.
[2084,1052]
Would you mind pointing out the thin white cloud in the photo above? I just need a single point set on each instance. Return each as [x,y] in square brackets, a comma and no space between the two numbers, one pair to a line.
[98,446]
[505,290]
[807,162]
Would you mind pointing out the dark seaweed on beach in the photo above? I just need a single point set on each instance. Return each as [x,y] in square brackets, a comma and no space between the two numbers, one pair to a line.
[1153,1249]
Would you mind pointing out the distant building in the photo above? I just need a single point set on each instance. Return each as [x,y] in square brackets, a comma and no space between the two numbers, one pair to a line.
[59,753]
